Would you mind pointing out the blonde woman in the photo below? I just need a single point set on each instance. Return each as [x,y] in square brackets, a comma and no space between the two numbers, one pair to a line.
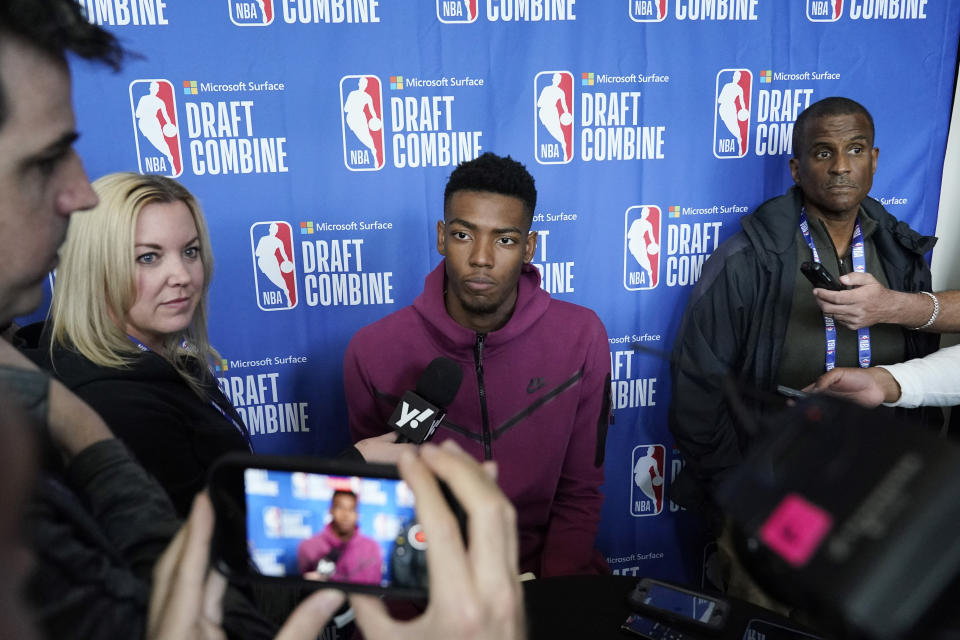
[127,329]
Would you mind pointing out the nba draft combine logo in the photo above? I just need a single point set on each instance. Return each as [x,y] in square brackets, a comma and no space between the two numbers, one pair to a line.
[274,265]
[466,11]
[457,11]
[694,10]
[259,391]
[155,129]
[260,13]
[641,252]
[731,121]
[831,10]
[646,490]
[251,13]
[611,126]
[553,117]
[124,13]
[647,10]
[361,115]
[824,10]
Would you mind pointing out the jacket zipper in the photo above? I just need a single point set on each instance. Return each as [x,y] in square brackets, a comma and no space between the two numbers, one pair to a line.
[485,426]
[840,266]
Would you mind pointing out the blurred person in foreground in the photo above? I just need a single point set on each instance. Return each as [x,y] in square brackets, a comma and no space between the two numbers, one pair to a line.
[97,529]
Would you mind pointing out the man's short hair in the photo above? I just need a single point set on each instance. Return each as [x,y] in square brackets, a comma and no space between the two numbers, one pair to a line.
[56,27]
[342,492]
[834,106]
[494,174]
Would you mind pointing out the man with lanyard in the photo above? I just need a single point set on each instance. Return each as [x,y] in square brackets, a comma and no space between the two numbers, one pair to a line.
[753,314]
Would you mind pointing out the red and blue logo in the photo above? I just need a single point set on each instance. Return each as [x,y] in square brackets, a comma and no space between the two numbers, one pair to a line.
[361,102]
[154,109]
[641,247]
[274,265]
[647,10]
[824,10]
[553,117]
[731,118]
[647,480]
[251,13]
[457,11]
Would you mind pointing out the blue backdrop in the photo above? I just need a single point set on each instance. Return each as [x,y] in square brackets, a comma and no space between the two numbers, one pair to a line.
[340,120]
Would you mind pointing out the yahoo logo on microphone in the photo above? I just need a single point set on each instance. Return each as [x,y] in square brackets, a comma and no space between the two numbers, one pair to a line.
[411,415]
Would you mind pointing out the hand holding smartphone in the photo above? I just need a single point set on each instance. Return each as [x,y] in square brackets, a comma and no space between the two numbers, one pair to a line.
[484,573]
[302,520]
[819,277]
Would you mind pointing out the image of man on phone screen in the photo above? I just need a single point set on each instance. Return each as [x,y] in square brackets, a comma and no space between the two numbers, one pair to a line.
[340,553]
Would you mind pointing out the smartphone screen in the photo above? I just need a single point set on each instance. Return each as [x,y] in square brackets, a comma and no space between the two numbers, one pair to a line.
[679,606]
[354,530]
[330,528]
[686,605]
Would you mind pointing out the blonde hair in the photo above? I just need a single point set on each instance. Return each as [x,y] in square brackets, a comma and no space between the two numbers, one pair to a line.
[96,281]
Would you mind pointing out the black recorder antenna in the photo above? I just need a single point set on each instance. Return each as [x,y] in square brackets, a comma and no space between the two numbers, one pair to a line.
[420,412]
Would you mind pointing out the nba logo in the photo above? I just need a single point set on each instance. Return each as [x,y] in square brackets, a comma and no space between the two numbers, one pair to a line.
[362,122]
[273,522]
[155,129]
[641,248]
[824,10]
[731,118]
[274,269]
[553,117]
[251,13]
[647,10]
[298,483]
[646,488]
[457,11]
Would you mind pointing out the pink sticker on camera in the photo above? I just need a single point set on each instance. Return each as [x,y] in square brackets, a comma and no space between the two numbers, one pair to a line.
[795,529]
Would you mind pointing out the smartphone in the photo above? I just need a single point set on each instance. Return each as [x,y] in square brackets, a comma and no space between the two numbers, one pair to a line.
[678,605]
[819,277]
[790,392]
[651,629]
[317,523]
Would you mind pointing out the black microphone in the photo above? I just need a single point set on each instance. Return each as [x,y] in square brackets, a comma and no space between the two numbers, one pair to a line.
[419,413]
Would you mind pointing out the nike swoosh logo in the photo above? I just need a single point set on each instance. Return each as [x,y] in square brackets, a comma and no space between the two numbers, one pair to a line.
[534,384]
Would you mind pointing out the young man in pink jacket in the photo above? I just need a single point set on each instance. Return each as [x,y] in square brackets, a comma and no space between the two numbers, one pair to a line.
[535,390]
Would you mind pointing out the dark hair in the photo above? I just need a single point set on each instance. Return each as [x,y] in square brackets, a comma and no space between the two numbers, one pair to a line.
[494,174]
[55,27]
[342,492]
[835,106]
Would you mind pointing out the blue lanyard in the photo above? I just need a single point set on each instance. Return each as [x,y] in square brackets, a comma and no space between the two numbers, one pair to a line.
[860,266]
[240,428]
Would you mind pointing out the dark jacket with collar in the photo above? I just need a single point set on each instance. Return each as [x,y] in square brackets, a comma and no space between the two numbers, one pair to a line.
[174,433]
[736,320]
[96,532]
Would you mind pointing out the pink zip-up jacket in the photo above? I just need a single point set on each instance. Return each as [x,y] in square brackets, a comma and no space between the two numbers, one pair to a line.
[534,398]
[360,559]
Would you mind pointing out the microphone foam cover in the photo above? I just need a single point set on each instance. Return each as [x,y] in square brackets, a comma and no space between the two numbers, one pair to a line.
[440,381]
